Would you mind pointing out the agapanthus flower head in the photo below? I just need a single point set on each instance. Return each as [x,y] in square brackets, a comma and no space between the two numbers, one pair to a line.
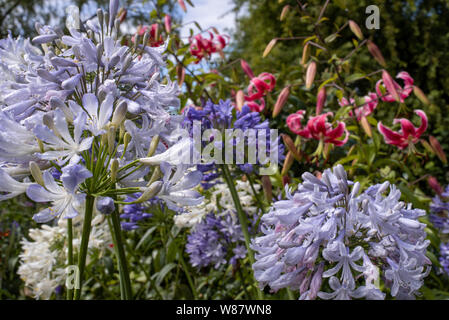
[407,135]
[444,257]
[318,128]
[215,241]
[394,91]
[356,235]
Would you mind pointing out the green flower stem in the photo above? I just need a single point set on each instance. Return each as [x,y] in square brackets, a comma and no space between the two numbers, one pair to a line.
[189,277]
[241,215]
[70,252]
[84,243]
[125,282]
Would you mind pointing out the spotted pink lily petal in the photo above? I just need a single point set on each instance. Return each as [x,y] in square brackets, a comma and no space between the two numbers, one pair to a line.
[408,134]
[256,107]
[294,123]
[402,92]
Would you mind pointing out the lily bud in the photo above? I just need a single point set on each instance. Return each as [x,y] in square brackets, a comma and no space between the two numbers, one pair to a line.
[420,95]
[247,68]
[355,29]
[284,12]
[433,183]
[182,5]
[310,74]
[267,188]
[153,145]
[180,71]
[437,148]
[167,23]
[282,99]
[239,100]
[320,100]
[305,54]
[269,47]
[291,146]
[366,127]
[111,139]
[114,170]
[375,52]
[122,14]
[37,173]
[287,163]
[119,113]
[150,192]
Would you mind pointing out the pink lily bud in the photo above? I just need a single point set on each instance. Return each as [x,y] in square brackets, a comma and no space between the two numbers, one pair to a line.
[433,183]
[182,5]
[310,74]
[284,12]
[390,85]
[436,146]
[282,99]
[267,187]
[269,47]
[167,22]
[320,100]
[420,95]
[240,100]
[375,52]
[291,146]
[287,164]
[355,29]
[180,71]
[122,14]
[247,68]
[305,54]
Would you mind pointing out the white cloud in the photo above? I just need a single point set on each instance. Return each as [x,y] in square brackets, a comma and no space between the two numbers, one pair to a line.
[209,13]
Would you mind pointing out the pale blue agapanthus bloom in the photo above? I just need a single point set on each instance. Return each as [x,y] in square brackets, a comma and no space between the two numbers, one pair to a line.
[358,236]
[9,187]
[59,143]
[65,199]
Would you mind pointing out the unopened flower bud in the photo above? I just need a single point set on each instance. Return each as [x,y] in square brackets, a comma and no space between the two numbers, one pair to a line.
[420,95]
[105,205]
[320,100]
[167,23]
[36,173]
[310,74]
[282,99]
[114,170]
[56,103]
[100,16]
[375,52]
[355,29]
[150,192]
[119,114]
[156,175]
[305,54]
[239,100]
[111,139]
[153,145]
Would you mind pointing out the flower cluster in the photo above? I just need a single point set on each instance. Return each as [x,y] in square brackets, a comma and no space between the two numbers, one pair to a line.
[440,219]
[154,39]
[214,239]
[327,230]
[44,258]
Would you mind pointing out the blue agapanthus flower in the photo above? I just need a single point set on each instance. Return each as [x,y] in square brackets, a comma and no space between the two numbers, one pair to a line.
[223,116]
[444,257]
[216,241]
[133,213]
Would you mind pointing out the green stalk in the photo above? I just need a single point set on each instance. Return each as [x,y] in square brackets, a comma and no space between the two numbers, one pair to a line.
[241,215]
[70,252]
[84,242]
[125,282]
[189,277]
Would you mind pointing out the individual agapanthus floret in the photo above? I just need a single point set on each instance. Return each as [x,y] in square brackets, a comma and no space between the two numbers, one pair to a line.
[9,187]
[59,142]
[327,230]
[408,135]
[66,200]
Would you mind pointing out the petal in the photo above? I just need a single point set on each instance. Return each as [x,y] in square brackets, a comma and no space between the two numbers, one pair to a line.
[424,123]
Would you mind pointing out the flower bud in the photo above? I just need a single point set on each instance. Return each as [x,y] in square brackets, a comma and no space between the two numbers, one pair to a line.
[437,148]
[287,163]
[420,95]
[56,103]
[111,139]
[389,85]
[181,73]
[267,188]
[375,52]
[150,192]
[119,113]
[282,99]
[157,174]
[284,12]
[247,68]
[153,145]
[100,16]
[355,29]
[114,170]
[291,146]
[305,54]
[126,140]
[310,74]
[366,127]
[105,205]
[269,47]
[320,100]
[36,173]
[239,100]
[182,5]
[433,183]
[167,23]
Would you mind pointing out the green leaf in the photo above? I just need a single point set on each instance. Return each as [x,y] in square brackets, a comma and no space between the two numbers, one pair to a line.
[163,273]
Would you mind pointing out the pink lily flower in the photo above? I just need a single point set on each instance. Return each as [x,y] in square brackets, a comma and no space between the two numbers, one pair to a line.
[394,91]
[152,41]
[318,128]
[408,134]
[370,103]
[258,87]
[201,47]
